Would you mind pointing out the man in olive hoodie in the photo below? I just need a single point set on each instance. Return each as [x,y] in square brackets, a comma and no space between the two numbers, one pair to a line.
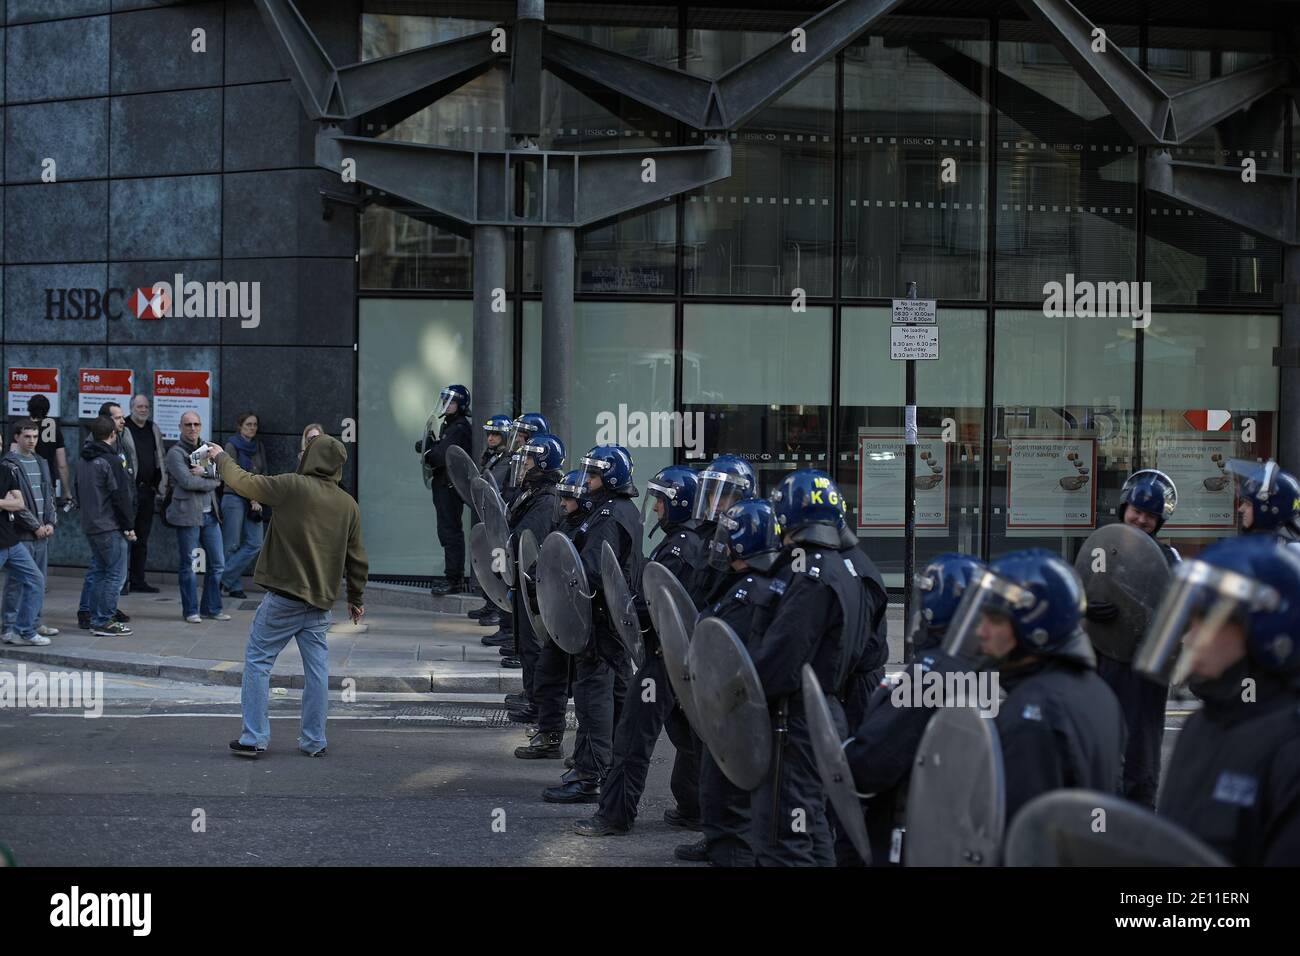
[313,542]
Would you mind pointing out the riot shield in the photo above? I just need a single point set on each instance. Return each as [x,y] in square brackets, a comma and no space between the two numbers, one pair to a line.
[1124,575]
[655,576]
[1091,828]
[832,765]
[426,442]
[956,803]
[674,643]
[528,555]
[621,605]
[734,720]
[563,596]
[462,471]
[482,554]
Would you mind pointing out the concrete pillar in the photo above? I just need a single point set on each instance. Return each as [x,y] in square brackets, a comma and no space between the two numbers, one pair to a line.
[557,333]
[493,331]
[1288,430]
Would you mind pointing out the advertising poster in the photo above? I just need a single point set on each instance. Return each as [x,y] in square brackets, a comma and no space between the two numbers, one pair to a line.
[1051,484]
[1206,499]
[26,382]
[177,392]
[880,483]
[95,386]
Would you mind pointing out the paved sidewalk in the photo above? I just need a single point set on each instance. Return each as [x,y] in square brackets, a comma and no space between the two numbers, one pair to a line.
[396,649]
[409,642]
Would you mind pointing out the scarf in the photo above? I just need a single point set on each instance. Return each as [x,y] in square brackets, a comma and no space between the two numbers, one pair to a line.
[244,451]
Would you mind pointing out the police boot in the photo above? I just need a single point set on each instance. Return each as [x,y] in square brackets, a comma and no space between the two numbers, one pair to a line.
[512,663]
[598,826]
[498,638]
[491,619]
[574,789]
[518,700]
[524,715]
[543,746]
[509,650]
[442,586]
[675,818]
[693,852]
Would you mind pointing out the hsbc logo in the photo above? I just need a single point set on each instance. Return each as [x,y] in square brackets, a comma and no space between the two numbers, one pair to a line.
[176,299]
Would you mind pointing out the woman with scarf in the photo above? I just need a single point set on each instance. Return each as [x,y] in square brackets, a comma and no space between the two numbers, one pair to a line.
[241,519]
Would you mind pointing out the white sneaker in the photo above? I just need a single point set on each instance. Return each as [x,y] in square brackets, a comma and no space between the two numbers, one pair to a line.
[219,617]
[194,619]
[47,631]
[34,641]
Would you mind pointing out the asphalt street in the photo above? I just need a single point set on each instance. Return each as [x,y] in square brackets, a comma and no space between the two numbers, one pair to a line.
[408,780]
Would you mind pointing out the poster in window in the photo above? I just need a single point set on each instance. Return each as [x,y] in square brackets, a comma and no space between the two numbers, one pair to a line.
[1051,485]
[1197,466]
[880,483]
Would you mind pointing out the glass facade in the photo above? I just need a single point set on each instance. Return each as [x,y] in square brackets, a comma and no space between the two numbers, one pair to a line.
[963,154]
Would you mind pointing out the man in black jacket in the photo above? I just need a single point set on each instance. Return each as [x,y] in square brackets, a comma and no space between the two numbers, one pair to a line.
[108,519]
[453,408]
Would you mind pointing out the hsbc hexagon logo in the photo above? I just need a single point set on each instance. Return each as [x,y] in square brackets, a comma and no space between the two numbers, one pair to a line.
[151,303]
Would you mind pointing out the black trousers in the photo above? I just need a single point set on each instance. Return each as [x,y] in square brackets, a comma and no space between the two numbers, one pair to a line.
[525,638]
[552,676]
[788,823]
[595,675]
[451,533]
[648,708]
[1143,704]
[145,498]
[724,816]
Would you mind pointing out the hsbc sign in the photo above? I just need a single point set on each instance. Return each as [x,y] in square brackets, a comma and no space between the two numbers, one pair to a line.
[178,299]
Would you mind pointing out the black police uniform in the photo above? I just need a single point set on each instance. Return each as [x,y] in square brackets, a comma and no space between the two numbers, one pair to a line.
[455,430]
[823,618]
[1234,778]
[598,666]
[682,551]
[531,509]
[746,601]
[1060,726]
[1142,701]
[883,751]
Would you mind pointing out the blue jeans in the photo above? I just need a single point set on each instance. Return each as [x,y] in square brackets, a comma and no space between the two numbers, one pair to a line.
[207,536]
[279,619]
[31,583]
[243,539]
[40,552]
[106,575]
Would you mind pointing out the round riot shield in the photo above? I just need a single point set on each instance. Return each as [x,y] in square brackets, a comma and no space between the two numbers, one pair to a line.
[563,596]
[528,555]
[426,442]
[674,643]
[833,766]
[656,576]
[732,709]
[483,556]
[462,471]
[1061,828]
[493,515]
[1124,575]
[621,605]
[956,802]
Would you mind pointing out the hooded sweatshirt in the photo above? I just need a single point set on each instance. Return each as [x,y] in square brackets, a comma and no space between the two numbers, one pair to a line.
[315,537]
[102,490]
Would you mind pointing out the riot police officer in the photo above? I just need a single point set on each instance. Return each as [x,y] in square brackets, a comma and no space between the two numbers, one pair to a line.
[520,431]
[534,470]
[672,494]
[614,519]
[1146,502]
[454,409]
[1268,498]
[1234,778]
[495,462]
[830,615]
[1060,725]
[553,674]
[883,747]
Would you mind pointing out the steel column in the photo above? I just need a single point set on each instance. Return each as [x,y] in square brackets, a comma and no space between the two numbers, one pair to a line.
[1288,429]
[490,390]
[557,332]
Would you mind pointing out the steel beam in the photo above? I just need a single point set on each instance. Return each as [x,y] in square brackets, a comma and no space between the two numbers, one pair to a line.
[1268,207]
[332,94]
[492,330]
[557,333]
[577,188]
[1210,103]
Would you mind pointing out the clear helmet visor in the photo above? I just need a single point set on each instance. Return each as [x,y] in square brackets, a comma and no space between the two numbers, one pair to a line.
[1254,478]
[594,466]
[987,596]
[917,625]
[717,492]
[1199,602]
[566,493]
[1171,491]
[445,398]
[654,492]
[720,555]
[521,462]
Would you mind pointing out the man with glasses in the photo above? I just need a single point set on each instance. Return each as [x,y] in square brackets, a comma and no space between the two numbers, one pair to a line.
[194,514]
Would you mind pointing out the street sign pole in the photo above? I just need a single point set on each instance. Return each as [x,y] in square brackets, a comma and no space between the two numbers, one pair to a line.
[909,503]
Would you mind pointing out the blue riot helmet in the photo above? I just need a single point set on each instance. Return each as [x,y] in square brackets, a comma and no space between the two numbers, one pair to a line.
[810,508]
[545,452]
[726,480]
[749,531]
[452,393]
[524,427]
[1274,495]
[936,593]
[1038,593]
[1151,491]
[570,487]
[1250,582]
[498,425]
[612,464]
[676,486]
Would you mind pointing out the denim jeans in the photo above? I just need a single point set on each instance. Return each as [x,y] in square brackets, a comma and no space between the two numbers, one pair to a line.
[207,536]
[31,584]
[106,574]
[278,620]
[40,552]
[243,539]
